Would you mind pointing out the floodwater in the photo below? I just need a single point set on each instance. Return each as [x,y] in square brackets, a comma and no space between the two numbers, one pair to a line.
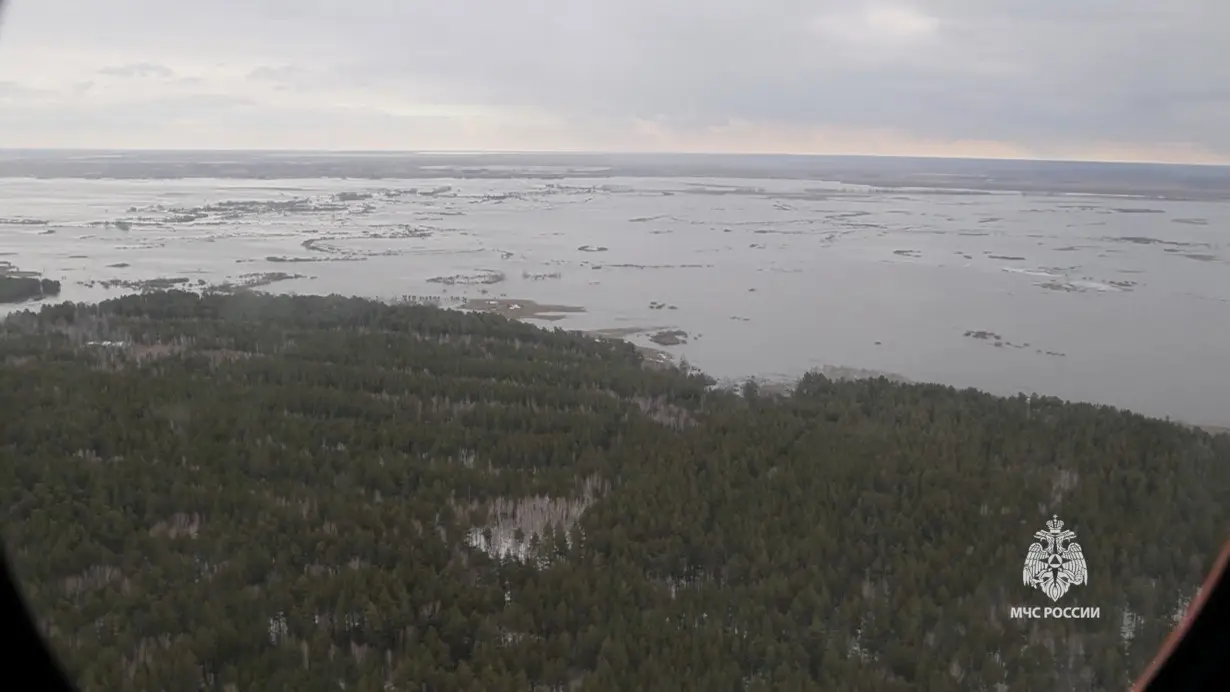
[1123,300]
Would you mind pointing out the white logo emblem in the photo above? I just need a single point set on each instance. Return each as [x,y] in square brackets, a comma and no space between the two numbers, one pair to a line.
[1053,567]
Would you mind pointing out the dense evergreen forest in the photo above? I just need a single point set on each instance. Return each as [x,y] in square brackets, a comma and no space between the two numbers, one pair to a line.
[250,492]
[15,289]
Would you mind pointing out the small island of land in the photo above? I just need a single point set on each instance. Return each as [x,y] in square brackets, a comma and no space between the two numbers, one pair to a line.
[18,289]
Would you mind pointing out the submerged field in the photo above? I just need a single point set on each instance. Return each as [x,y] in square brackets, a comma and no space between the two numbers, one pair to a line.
[1116,299]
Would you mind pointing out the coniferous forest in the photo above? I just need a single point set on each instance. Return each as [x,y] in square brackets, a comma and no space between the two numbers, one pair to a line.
[250,492]
[15,289]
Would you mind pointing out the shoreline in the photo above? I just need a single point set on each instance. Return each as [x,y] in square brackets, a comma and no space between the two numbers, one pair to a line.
[661,358]
[656,358]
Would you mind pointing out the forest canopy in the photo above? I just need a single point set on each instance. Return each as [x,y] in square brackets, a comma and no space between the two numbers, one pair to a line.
[15,289]
[241,492]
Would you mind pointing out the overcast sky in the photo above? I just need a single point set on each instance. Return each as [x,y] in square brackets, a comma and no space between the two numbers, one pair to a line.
[1092,79]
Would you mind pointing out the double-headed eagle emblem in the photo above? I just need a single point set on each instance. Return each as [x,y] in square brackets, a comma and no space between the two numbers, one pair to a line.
[1053,567]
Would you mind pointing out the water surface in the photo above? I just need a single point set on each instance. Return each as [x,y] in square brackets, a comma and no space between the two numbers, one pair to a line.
[1114,298]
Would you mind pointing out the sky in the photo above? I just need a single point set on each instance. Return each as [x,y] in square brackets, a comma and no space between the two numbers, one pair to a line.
[1079,79]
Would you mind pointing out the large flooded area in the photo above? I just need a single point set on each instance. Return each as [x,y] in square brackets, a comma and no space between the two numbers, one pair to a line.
[1121,299]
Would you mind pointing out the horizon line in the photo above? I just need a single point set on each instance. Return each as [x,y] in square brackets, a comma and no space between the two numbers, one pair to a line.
[594,152]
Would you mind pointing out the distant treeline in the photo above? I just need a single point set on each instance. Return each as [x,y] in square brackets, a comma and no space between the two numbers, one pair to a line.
[15,289]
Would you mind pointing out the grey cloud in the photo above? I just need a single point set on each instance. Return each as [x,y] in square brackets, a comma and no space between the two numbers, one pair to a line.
[287,77]
[1009,70]
[132,114]
[10,88]
[1037,74]
[138,70]
[15,94]
[163,124]
[193,102]
[283,73]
